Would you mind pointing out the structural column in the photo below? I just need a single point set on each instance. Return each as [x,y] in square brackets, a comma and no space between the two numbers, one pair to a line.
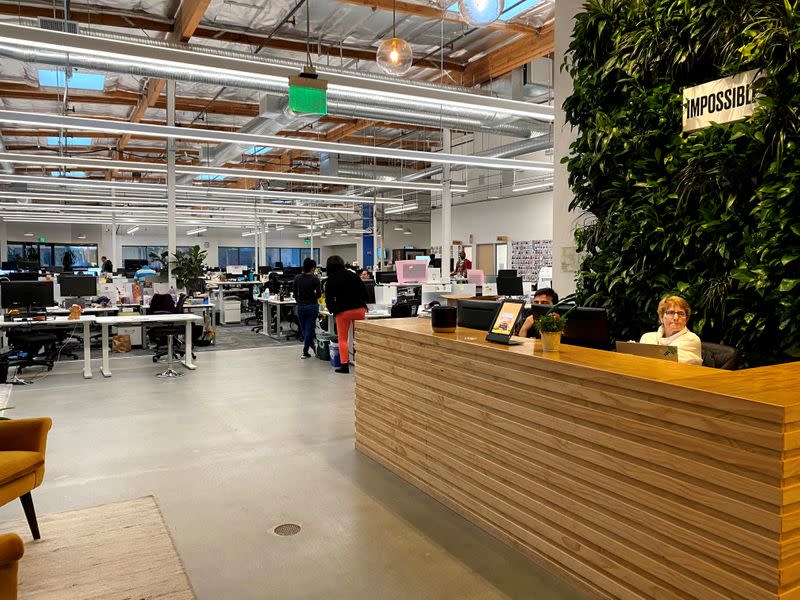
[172,235]
[565,259]
[114,251]
[3,239]
[447,207]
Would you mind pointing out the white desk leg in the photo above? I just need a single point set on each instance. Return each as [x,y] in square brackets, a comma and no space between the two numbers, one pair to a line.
[221,306]
[187,347]
[265,318]
[87,351]
[105,369]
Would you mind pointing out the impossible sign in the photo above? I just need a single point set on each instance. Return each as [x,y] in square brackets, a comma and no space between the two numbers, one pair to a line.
[721,101]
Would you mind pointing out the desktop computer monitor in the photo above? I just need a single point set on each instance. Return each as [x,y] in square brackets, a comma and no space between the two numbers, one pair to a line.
[506,273]
[264,270]
[509,286]
[412,271]
[23,276]
[476,314]
[26,294]
[278,264]
[28,265]
[134,264]
[9,265]
[586,326]
[386,277]
[78,285]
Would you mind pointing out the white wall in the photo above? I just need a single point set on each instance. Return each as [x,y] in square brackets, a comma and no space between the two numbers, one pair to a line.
[527,217]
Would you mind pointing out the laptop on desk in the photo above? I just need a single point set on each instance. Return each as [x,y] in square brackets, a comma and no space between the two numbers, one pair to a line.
[669,353]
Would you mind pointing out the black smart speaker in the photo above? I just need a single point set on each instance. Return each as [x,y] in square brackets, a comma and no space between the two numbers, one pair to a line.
[443,319]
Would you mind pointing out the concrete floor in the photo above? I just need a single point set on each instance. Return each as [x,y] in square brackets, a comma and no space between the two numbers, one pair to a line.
[252,439]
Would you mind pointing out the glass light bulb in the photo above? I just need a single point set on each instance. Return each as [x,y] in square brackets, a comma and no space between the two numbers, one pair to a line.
[395,56]
[479,13]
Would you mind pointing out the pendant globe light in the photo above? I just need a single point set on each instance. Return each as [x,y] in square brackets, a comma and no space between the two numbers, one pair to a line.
[394,55]
[480,13]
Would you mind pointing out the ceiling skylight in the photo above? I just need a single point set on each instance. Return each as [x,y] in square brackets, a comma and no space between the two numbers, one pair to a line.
[258,150]
[513,8]
[77,80]
[68,174]
[68,141]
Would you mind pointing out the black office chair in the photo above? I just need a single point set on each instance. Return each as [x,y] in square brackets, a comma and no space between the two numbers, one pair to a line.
[31,348]
[254,305]
[167,338]
[402,310]
[720,356]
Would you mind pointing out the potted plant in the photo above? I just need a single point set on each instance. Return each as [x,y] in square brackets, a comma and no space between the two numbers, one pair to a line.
[551,326]
[188,268]
[160,264]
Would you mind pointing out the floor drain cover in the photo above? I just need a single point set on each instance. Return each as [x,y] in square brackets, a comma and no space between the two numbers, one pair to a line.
[287,529]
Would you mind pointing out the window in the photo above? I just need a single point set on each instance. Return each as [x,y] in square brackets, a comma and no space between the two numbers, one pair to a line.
[231,255]
[52,255]
[77,80]
[290,257]
[143,253]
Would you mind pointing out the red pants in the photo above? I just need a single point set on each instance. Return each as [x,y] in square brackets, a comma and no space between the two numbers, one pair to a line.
[343,320]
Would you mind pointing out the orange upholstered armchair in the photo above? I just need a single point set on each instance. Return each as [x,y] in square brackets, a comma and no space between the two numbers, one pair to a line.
[22,447]
[11,550]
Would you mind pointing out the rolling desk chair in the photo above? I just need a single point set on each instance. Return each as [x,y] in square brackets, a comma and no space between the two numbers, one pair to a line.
[720,356]
[404,309]
[166,337]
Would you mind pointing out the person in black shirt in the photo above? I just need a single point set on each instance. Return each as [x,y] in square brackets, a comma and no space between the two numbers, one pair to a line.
[106,264]
[306,293]
[346,299]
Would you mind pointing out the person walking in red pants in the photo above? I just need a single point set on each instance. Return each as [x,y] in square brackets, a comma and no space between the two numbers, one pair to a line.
[346,299]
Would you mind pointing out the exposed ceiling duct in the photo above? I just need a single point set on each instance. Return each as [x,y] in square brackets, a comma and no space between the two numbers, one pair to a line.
[340,101]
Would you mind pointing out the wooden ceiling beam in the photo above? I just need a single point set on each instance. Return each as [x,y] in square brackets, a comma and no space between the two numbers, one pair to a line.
[186,20]
[509,57]
[430,12]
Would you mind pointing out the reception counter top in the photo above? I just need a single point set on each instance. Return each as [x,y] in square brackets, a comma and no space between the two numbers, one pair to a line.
[632,477]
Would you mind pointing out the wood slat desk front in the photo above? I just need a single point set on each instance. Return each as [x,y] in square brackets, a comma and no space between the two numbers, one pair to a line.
[632,477]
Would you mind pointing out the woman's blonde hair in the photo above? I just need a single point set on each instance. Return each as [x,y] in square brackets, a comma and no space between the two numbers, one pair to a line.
[674,301]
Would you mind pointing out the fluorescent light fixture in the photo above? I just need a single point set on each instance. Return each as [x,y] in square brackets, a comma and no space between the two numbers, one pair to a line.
[82,236]
[401,209]
[198,230]
[257,70]
[147,167]
[248,233]
[398,227]
[533,187]
[207,135]
[326,222]
[68,174]
[280,228]
[28,235]
[76,81]
[133,230]
[406,231]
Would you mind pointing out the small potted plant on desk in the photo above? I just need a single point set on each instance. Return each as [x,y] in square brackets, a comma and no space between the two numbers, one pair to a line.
[550,327]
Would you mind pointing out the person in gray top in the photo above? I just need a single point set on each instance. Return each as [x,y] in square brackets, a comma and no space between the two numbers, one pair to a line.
[307,292]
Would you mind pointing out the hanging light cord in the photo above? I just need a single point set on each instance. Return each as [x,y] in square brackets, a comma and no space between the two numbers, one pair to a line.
[394,18]
[308,33]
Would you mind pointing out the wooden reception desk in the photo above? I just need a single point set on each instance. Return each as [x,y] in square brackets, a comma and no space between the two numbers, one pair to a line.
[632,477]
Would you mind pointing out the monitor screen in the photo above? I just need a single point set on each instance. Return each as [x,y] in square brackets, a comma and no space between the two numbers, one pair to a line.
[586,326]
[23,276]
[506,273]
[475,276]
[412,271]
[264,270]
[78,285]
[134,264]
[509,286]
[476,314]
[25,294]
[9,265]
[386,277]
[28,265]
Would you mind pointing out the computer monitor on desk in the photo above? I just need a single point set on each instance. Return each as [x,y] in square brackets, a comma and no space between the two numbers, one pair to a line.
[476,314]
[586,326]
[81,286]
[370,285]
[412,271]
[385,277]
[509,286]
[26,294]
[23,276]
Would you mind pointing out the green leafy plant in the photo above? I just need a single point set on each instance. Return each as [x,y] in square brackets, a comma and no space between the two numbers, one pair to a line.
[161,258]
[552,322]
[710,215]
[189,268]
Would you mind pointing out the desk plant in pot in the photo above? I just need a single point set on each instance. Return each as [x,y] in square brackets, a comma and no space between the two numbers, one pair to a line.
[188,268]
[550,327]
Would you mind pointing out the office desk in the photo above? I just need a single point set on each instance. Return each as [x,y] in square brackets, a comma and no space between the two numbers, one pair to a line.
[221,287]
[84,321]
[632,477]
[273,307]
[106,322]
[93,311]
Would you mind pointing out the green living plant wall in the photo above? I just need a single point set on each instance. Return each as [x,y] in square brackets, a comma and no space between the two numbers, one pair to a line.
[713,215]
